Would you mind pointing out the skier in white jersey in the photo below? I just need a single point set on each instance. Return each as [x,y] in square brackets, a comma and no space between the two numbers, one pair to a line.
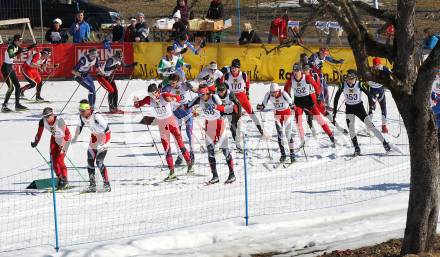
[209,75]
[211,110]
[162,104]
[283,105]
[352,90]
[98,145]
[60,136]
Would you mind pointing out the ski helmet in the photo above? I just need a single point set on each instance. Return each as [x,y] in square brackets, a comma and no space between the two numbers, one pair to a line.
[118,54]
[47,112]
[274,87]
[152,88]
[222,87]
[297,67]
[235,63]
[351,74]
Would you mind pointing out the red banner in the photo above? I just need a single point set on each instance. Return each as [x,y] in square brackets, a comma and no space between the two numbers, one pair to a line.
[67,55]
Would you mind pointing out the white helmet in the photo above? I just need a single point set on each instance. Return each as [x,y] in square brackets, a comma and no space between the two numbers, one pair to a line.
[58,20]
[274,87]
[177,15]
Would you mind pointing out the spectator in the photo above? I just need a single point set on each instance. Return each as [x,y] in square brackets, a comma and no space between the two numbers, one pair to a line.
[130,32]
[142,29]
[56,34]
[215,12]
[179,28]
[248,36]
[80,29]
[279,28]
[117,31]
[430,40]
[182,6]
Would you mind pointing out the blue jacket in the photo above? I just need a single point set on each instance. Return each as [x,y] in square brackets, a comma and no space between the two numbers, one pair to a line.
[82,34]
[431,41]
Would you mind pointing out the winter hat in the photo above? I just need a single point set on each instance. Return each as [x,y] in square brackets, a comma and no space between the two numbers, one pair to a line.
[377,61]
[58,20]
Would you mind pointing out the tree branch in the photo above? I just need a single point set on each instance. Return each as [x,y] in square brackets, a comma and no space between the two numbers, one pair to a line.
[381,14]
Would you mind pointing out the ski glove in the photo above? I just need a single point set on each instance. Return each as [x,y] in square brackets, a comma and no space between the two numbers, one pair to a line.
[34,144]
[260,107]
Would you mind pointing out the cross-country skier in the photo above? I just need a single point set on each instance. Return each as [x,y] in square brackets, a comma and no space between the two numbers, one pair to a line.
[232,112]
[162,104]
[304,88]
[435,102]
[317,61]
[283,117]
[107,79]
[181,45]
[12,52]
[98,145]
[209,75]
[239,84]
[60,136]
[171,64]
[31,68]
[183,115]
[352,90]
[212,109]
[82,76]
[378,93]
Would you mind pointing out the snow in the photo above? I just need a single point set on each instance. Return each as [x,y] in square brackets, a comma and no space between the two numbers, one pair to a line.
[325,201]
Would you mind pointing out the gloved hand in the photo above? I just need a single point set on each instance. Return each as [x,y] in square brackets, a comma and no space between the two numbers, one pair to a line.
[34,144]
[260,107]
[292,106]
[56,65]
[188,66]
[202,44]
[135,63]
[183,50]
[341,61]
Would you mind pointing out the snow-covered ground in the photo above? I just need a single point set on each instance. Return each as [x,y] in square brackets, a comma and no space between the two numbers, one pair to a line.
[325,200]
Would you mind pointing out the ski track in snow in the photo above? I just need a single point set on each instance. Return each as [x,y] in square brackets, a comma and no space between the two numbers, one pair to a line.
[323,202]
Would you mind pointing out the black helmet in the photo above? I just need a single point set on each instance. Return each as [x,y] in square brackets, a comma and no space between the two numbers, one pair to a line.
[17,37]
[152,88]
[46,50]
[170,49]
[351,73]
[235,63]
[222,86]
[47,112]
[297,67]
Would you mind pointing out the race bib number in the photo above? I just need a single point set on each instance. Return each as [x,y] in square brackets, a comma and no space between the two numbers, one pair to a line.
[236,86]
[279,106]
[161,110]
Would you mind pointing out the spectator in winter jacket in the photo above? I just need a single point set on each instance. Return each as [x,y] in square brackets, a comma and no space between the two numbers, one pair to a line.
[182,6]
[279,28]
[179,28]
[429,42]
[215,12]
[248,35]
[130,32]
[430,39]
[142,29]
[117,31]
[56,34]
[80,29]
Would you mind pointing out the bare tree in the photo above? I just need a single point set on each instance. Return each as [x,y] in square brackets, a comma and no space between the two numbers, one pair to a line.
[410,87]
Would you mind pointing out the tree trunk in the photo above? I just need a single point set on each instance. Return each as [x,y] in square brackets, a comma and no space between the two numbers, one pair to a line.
[423,204]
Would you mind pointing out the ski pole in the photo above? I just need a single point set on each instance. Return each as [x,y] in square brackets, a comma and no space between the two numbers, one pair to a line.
[44,82]
[74,166]
[105,94]
[154,142]
[42,156]
[62,110]
[267,142]
[126,86]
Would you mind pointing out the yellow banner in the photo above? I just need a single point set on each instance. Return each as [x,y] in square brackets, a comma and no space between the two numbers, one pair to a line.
[275,66]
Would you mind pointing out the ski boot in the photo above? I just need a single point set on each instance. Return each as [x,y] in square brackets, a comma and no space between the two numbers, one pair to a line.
[357,149]
[6,109]
[283,158]
[171,177]
[179,161]
[386,146]
[91,188]
[19,107]
[332,139]
[39,98]
[107,187]
[231,178]
[292,156]
[92,185]
[214,180]
[190,169]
